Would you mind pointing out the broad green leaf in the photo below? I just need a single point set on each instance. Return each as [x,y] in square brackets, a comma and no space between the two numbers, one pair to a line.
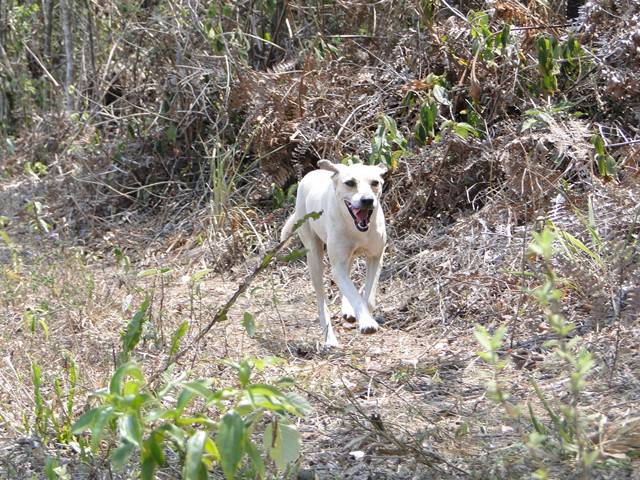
[463,130]
[121,455]
[282,443]
[172,133]
[105,415]
[310,215]
[230,442]
[130,429]
[154,446]
[211,449]
[86,420]
[256,459]
[440,95]
[193,460]
[147,467]
[149,272]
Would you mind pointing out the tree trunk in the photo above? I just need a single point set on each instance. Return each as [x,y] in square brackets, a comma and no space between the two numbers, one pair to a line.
[68,53]
[573,8]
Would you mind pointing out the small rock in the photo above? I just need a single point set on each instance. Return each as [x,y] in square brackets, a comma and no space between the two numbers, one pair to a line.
[357,454]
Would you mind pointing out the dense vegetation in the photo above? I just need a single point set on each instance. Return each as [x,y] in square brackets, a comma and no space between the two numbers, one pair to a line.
[152,325]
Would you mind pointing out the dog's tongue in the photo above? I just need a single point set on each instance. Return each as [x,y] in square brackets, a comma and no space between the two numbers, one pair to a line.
[361,215]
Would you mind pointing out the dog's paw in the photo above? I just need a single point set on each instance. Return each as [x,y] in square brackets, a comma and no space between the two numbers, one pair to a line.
[347,311]
[350,318]
[331,341]
[331,345]
[368,326]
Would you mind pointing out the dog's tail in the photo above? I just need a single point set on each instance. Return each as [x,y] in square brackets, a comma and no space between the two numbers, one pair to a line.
[287,230]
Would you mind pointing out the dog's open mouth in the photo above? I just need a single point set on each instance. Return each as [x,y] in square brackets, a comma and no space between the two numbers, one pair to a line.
[361,216]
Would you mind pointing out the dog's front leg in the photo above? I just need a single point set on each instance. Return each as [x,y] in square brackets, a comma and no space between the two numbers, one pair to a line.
[374,266]
[347,310]
[340,271]
[314,260]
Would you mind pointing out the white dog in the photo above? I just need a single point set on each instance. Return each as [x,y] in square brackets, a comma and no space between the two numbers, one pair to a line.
[352,223]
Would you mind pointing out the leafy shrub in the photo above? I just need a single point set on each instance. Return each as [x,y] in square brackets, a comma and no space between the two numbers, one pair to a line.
[203,426]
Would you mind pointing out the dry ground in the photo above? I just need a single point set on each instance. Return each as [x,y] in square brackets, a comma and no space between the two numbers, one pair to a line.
[410,397]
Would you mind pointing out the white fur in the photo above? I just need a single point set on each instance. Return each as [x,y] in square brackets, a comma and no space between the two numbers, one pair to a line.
[325,190]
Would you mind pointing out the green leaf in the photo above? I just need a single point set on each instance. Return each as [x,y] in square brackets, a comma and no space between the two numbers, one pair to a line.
[176,338]
[282,443]
[294,255]
[463,130]
[199,275]
[483,337]
[130,429]
[310,215]
[256,459]
[230,441]
[420,134]
[133,331]
[126,369]
[440,95]
[172,133]
[86,420]
[154,446]
[193,461]
[244,373]
[147,467]
[121,455]
[248,324]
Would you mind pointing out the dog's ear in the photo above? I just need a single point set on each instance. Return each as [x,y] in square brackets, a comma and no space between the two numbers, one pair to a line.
[383,168]
[327,165]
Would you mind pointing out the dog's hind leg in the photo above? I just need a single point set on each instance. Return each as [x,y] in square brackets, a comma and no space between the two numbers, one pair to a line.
[340,270]
[314,259]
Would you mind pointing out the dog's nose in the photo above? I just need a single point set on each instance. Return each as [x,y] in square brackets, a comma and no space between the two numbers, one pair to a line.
[366,202]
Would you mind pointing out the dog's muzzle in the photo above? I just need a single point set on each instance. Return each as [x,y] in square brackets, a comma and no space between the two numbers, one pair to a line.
[361,216]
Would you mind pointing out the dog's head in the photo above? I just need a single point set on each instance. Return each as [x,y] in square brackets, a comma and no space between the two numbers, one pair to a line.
[358,187]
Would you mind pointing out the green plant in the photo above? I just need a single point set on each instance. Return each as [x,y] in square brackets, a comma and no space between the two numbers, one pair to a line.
[487,44]
[548,66]
[205,426]
[388,144]
[571,436]
[428,9]
[492,344]
[607,165]
[36,211]
[556,57]
[133,332]
[55,415]
[461,129]
[567,435]
[543,116]
[425,130]
[282,197]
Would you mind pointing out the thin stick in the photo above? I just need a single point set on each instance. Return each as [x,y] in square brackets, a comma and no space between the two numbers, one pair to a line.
[221,314]
[44,69]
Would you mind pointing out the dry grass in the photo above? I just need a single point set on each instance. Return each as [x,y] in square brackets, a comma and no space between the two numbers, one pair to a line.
[411,397]
[461,213]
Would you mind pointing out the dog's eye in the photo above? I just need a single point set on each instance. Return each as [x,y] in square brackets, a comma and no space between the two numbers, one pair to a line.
[375,183]
[350,183]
